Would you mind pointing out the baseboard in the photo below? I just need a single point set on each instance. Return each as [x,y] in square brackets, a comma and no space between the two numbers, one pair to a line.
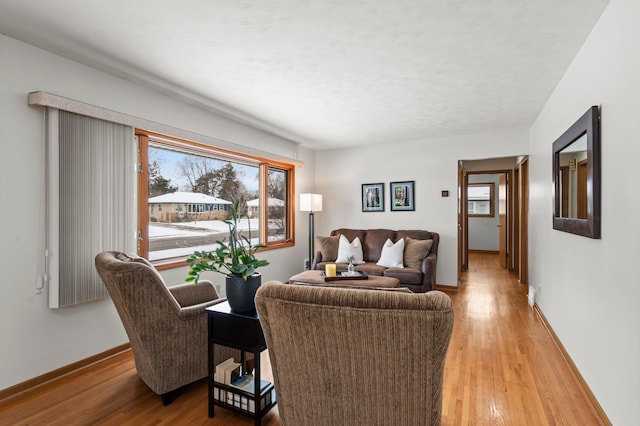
[442,287]
[582,384]
[51,376]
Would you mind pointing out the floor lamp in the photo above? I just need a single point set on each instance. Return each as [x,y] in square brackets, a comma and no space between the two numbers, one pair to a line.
[310,203]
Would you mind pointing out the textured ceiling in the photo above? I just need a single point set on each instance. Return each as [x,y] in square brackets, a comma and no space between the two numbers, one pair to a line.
[328,73]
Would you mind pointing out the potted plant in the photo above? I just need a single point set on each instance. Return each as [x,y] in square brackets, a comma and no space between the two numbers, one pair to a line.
[236,259]
[351,270]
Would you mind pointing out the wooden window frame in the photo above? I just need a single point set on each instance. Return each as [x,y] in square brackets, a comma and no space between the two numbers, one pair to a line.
[144,139]
[492,196]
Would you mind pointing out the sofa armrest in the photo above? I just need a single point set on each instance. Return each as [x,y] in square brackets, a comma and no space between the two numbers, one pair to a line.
[429,264]
[317,258]
[198,310]
[194,294]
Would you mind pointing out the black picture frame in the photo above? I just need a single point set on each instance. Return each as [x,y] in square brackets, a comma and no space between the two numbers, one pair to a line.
[402,196]
[372,197]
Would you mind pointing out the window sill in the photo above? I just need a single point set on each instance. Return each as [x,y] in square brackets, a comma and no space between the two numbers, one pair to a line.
[180,262]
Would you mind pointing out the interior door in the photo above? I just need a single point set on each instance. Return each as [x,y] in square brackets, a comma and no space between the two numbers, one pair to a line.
[523,259]
[462,203]
[515,212]
[463,217]
[582,190]
[502,218]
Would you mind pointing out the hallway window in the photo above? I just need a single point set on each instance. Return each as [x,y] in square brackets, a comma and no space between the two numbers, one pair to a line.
[480,198]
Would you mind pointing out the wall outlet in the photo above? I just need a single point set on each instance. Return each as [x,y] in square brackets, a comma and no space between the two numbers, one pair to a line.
[305,265]
[532,296]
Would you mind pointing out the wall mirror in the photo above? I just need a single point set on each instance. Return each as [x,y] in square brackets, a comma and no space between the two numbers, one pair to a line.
[576,177]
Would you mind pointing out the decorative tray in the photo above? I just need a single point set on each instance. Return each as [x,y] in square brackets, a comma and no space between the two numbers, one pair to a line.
[343,276]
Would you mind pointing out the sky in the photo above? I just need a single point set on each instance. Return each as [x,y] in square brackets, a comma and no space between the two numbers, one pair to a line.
[169,160]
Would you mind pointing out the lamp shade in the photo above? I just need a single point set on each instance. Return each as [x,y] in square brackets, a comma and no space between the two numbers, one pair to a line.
[310,202]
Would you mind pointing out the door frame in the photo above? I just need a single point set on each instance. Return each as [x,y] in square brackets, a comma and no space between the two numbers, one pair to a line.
[509,213]
[516,192]
[521,217]
[463,248]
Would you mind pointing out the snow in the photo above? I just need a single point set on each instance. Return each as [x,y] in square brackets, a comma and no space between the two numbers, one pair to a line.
[203,227]
[198,228]
[179,252]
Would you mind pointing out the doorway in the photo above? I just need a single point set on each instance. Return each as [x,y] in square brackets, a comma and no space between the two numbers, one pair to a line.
[496,223]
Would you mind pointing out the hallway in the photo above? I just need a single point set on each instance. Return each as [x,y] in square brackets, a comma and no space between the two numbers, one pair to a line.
[502,365]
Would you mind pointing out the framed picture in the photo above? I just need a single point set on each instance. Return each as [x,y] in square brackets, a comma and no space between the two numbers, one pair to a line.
[402,196]
[373,197]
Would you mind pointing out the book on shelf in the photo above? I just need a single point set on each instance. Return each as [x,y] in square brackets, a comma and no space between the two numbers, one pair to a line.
[219,373]
[227,371]
[231,373]
[242,402]
[247,383]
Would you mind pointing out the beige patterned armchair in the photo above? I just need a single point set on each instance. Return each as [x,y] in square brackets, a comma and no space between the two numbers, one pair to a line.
[344,356]
[166,326]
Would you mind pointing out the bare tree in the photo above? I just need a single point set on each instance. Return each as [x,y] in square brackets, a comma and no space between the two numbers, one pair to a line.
[193,168]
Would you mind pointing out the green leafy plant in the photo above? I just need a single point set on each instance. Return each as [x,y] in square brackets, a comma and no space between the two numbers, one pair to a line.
[235,257]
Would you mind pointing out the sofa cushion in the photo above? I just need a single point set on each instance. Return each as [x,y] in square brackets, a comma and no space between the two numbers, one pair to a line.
[351,234]
[392,254]
[416,234]
[347,249]
[328,247]
[373,241]
[370,268]
[415,251]
[405,275]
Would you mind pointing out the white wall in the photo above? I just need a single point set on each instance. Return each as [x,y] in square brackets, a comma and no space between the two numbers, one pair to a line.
[588,289]
[35,339]
[432,164]
[483,231]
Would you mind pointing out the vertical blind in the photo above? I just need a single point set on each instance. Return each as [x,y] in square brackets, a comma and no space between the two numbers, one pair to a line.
[91,205]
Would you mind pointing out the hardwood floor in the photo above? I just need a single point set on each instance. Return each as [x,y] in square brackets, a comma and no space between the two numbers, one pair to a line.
[502,365]
[502,368]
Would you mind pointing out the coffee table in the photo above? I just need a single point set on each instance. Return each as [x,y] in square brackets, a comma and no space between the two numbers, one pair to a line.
[316,277]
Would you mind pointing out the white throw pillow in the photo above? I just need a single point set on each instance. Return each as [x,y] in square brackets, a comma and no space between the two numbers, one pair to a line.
[392,254]
[347,249]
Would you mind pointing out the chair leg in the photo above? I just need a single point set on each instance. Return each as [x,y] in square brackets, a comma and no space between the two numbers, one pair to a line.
[167,398]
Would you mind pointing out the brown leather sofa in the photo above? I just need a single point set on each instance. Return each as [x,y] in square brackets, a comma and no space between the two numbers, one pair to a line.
[418,279]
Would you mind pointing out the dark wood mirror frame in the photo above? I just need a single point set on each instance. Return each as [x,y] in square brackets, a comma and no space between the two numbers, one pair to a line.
[588,124]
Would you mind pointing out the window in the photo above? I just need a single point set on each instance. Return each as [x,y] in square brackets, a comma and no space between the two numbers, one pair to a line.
[193,186]
[480,199]
[276,205]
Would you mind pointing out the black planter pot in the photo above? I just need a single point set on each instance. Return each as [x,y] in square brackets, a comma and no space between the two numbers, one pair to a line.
[241,294]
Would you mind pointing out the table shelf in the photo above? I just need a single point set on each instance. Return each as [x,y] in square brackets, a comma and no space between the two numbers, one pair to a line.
[240,331]
[242,401]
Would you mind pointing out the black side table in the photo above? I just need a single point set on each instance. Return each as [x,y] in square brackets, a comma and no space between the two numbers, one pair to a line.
[241,331]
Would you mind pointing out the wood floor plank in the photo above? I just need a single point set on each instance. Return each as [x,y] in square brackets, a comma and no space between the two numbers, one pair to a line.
[502,368]
[501,353]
